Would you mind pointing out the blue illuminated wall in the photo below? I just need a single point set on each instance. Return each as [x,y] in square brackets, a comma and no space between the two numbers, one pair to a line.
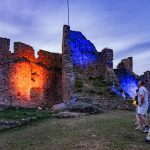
[83,51]
[128,82]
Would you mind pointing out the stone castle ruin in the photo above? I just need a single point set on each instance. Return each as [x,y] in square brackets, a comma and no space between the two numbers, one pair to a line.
[26,81]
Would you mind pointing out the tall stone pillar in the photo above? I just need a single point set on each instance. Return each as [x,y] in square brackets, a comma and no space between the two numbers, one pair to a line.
[68,77]
[107,65]
[107,58]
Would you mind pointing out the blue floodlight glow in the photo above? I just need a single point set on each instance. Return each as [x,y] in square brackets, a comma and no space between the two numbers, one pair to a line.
[128,83]
[83,51]
[116,90]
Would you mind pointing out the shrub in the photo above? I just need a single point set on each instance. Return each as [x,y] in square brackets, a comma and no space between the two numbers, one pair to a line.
[79,83]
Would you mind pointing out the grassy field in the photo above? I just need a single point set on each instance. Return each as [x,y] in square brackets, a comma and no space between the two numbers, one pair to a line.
[19,113]
[113,131]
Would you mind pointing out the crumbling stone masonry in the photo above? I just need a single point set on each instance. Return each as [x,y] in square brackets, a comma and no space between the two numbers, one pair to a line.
[84,61]
[68,76]
[27,81]
[81,60]
[128,80]
[126,64]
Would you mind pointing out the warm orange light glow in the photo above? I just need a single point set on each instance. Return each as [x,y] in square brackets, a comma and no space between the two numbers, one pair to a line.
[28,80]
[21,79]
[29,54]
[38,75]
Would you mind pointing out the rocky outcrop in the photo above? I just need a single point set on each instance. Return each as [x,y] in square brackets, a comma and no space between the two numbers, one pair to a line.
[77,106]
[93,105]
[107,104]
[126,64]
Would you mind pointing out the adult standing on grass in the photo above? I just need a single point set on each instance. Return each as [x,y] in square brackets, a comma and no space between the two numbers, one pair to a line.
[143,105]
[135,103]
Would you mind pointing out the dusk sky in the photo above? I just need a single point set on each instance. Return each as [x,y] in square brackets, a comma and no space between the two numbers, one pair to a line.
[123,25]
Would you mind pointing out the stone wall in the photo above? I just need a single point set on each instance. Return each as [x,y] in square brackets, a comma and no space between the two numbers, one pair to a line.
[68,76]
[106,57]
[128,80]
[4,45]
[106,65]
[108,104]
[146,78]
[126,64]
[85,57]
[26,81]
[4,48]
[87,61]
[50,60]
[5,95]
[23,50]
[81,60]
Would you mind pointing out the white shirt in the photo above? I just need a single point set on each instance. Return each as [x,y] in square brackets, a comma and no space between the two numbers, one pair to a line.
[143,92]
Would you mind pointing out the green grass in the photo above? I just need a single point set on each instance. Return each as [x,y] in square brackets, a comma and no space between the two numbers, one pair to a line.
[79,85]
[19,113]
[95,87]
[113,131]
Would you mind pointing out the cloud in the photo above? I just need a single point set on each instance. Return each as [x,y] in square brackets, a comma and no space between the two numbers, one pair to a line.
[120,25]
[140,53]
[141,61]
[134,49]
[8,29]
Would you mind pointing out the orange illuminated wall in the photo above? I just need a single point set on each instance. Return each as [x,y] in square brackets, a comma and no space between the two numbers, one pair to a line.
[28,82]
[23,50]
[39,79]
[20,78]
